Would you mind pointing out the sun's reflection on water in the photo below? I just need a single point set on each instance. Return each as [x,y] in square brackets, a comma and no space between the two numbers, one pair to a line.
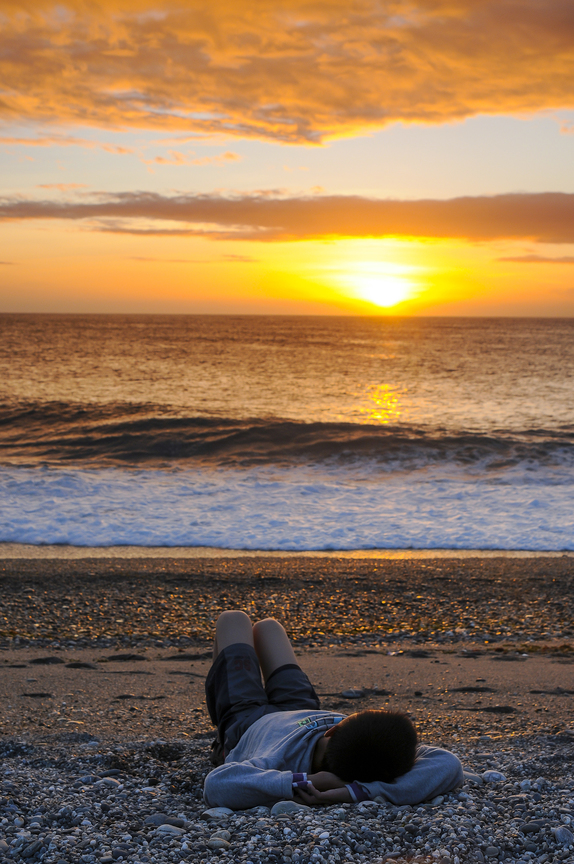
[384,404]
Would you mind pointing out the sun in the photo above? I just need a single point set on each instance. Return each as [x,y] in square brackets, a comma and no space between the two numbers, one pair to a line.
[383,283]
[382,289]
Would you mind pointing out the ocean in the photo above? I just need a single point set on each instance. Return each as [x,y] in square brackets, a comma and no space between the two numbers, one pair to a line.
[287,433]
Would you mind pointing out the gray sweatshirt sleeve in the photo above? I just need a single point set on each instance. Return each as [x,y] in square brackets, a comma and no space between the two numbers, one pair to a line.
[435,772]
[239,785]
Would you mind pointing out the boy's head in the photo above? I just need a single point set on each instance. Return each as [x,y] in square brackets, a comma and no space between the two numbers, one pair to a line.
[371,745]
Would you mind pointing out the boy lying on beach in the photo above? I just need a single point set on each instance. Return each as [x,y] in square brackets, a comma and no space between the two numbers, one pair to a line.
[279,745]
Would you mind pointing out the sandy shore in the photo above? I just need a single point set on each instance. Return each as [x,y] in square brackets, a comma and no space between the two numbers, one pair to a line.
[453,641]
[66,552]
[453,696]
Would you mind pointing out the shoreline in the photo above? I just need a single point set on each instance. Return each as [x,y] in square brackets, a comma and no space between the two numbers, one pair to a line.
[68,552]
[320,600]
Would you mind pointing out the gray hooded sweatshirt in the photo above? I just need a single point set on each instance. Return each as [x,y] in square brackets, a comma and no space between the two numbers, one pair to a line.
[261,768]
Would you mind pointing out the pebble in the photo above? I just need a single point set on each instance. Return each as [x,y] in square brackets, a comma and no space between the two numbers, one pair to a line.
[156,819]
[563,835]
[353,693]
[493,777]
[217,813]
[47,815]
[473,778]
[218,843]
[166,828]
[110,781]
[287,807]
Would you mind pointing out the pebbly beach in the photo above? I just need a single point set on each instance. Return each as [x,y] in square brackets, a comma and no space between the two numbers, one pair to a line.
[105,737]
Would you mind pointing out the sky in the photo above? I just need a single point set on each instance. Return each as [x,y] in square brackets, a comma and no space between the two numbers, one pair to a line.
[377,157]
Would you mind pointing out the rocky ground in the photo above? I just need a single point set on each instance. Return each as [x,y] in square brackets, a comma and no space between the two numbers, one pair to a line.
[105,736]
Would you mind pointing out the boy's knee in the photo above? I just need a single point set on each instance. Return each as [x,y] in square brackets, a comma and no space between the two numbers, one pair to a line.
[267,625]
[233,616]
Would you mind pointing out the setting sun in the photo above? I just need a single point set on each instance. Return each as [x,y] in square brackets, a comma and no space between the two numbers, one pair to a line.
[383,290]
[384,284]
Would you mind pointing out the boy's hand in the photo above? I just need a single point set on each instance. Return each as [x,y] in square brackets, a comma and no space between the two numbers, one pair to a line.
[324,780]
[312,795]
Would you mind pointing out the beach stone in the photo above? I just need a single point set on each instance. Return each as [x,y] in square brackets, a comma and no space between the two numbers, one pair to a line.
[492,851]
[156,819]
[110,781]
[563,835]
[218,843]
[31,850]
[530,827]
[353,693]
[177,821]
[222,833]
[529,846]
[166,828]
[493,777]
[161,819]
[216,813]
[470,777]
[3,846]
[287,807]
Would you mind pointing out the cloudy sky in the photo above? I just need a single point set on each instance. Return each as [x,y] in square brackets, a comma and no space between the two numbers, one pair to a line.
[373,157]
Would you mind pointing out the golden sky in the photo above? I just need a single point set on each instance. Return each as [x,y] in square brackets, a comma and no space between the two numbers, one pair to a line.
[321,157]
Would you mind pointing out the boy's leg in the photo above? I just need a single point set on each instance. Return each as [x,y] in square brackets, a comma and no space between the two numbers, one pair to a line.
[287,686]
[272,646]
[234,693]
[232,627]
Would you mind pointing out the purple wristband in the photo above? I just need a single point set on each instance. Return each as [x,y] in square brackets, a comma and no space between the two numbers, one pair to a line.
[357,792]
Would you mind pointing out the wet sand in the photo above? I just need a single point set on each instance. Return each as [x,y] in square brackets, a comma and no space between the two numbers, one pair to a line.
[159,693]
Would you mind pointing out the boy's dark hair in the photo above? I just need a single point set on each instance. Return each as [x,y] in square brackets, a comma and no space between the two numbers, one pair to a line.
[371,745]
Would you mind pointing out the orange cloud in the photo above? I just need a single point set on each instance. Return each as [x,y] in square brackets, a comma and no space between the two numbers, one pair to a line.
[289,71]
[221,159]
[64,141]
[62,187]
[225,259]
[545,217]
[538,259]
[177,158]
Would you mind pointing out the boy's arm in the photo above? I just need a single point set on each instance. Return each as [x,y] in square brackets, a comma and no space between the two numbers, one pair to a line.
[435,772]
[239,785]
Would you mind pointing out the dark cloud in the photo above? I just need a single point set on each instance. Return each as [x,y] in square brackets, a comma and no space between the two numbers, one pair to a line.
[288,70]
[544,217]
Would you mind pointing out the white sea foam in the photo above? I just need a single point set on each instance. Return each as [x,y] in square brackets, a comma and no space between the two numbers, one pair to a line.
[301,508]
